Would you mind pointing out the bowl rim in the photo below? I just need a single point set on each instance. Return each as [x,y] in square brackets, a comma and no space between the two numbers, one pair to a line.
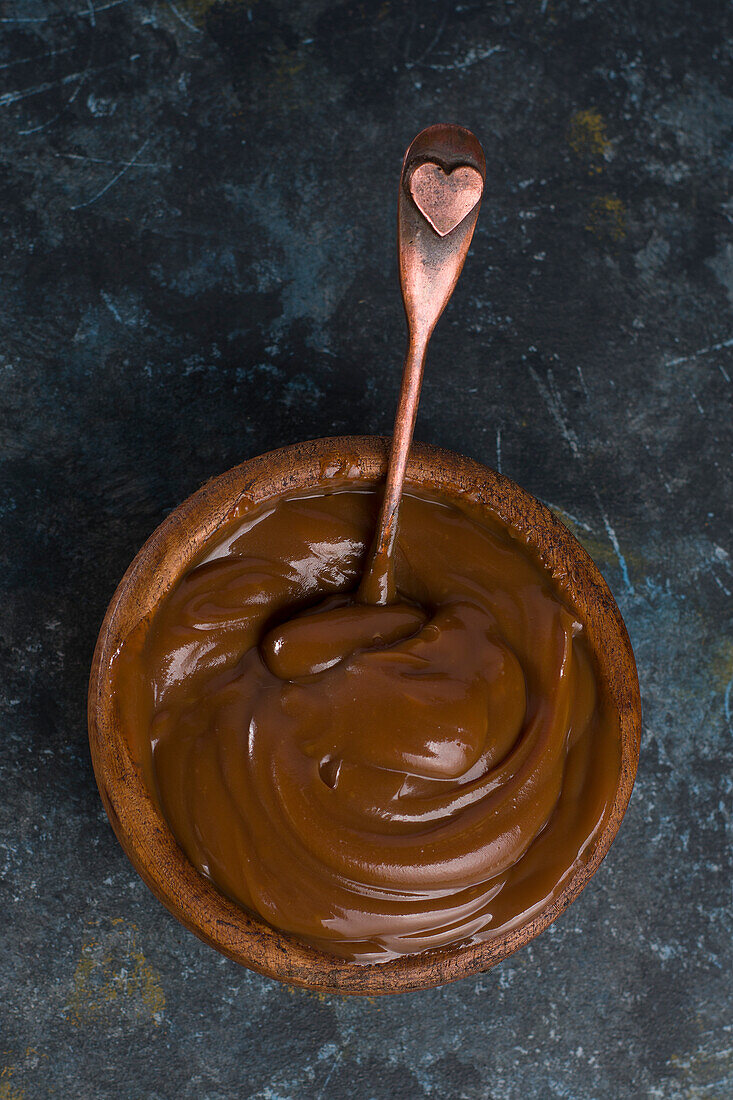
[140,826]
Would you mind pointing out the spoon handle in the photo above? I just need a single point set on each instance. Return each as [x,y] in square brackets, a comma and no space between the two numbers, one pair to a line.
[440,192]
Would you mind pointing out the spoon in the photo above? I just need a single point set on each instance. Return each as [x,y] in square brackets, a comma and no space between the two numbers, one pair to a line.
[441,185]
[440,193]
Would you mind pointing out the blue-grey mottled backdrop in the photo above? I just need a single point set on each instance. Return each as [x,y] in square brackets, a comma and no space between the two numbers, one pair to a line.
[197,202]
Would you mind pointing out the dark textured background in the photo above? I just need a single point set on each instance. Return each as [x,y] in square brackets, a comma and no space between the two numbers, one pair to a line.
[198,264]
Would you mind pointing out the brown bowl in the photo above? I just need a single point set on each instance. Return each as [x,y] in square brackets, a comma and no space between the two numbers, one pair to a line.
[141,828]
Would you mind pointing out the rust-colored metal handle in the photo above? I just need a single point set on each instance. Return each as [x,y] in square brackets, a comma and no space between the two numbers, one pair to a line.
[441,185]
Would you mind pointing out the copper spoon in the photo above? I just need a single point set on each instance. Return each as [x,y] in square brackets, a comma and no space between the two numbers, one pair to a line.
[441,185]
[439,198]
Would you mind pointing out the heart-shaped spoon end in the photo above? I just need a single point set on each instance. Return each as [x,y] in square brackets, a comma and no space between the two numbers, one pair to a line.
[445,198]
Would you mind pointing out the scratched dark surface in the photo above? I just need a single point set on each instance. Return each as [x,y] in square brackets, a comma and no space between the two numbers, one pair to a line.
[198,264]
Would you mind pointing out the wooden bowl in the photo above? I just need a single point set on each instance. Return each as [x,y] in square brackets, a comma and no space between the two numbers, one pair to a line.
[141,828]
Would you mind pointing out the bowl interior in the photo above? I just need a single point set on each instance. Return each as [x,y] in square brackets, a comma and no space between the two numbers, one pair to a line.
[134,813]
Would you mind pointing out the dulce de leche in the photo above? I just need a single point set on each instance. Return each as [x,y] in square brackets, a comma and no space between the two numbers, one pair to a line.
[376,781]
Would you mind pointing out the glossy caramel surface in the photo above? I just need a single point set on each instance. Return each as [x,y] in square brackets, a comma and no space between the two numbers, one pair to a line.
[376,781]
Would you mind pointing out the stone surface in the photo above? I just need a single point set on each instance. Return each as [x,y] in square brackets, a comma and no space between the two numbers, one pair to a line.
[195,270]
